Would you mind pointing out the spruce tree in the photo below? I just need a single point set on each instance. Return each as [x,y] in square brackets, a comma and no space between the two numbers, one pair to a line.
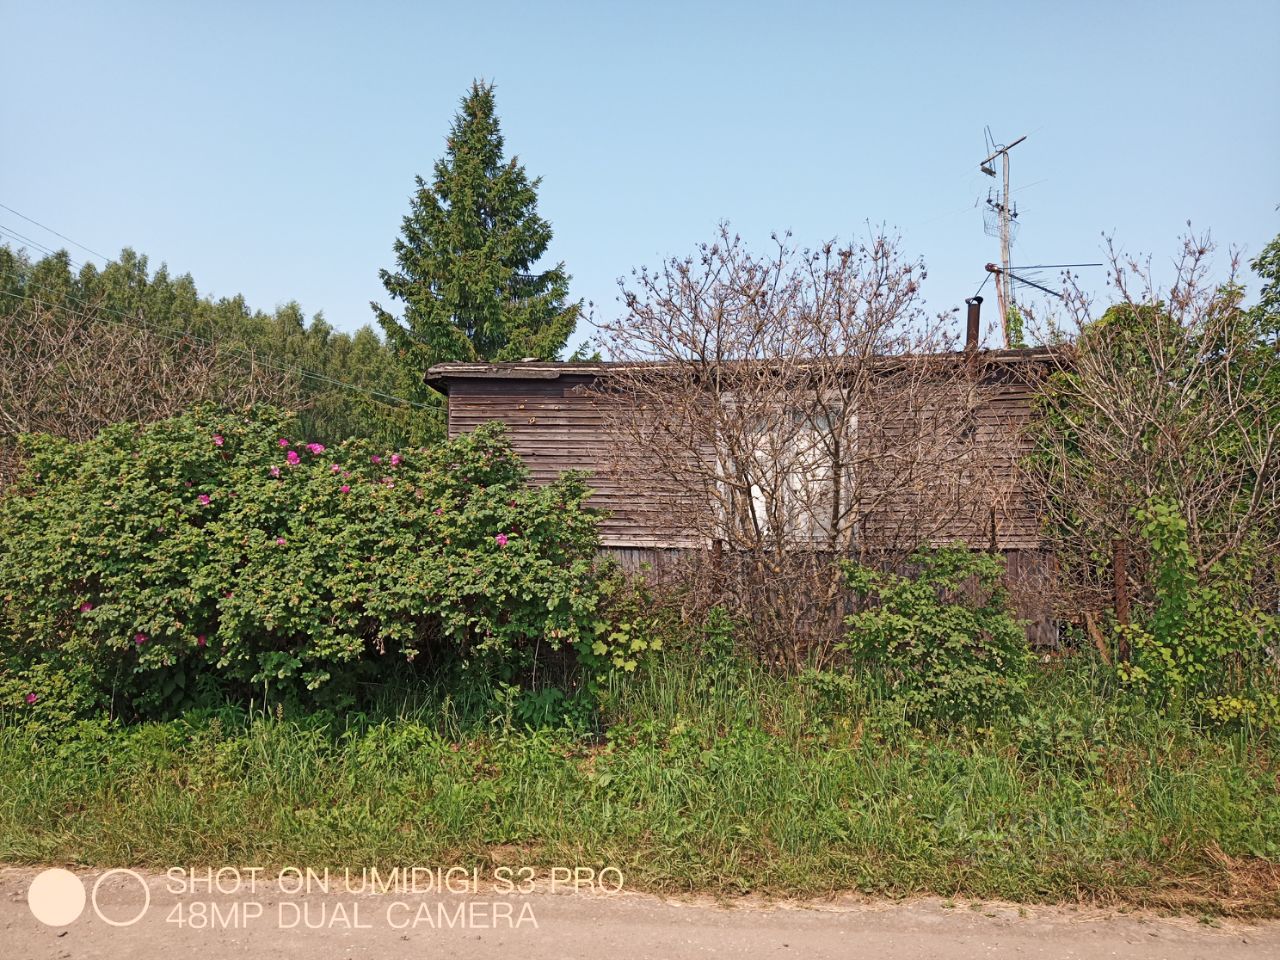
[466,254]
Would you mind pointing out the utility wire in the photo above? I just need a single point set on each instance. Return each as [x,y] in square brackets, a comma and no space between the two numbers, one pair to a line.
[55,233]
[1054,266]
[49,251]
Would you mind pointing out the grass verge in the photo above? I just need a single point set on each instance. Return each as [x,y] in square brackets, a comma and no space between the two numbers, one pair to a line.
[724,781]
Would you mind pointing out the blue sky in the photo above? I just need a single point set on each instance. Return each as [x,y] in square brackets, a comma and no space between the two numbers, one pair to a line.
[270,148]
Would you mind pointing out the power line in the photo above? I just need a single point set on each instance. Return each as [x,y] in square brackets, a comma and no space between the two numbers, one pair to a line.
[1054,266]
[140,324]
[56,233]
[48,251]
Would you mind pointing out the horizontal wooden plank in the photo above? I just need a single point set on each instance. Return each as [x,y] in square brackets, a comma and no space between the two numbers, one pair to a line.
[558,425]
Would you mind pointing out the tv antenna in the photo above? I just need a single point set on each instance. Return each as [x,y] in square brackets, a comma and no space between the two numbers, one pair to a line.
[1001,218]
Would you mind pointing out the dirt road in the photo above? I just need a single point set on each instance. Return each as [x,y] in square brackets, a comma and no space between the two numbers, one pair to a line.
[267,918]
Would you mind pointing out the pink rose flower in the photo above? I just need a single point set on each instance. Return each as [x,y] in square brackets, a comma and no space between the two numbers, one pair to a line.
[334,468]
[139,638]
[439,511]
[395,459]
[501,539]
[217,440]
[292,457]
[279,541]
[86,607]
[31,698]
[345,488]
[375,459]
[275,471]
[200,640]
[315,449]
[204,499]
[284,442]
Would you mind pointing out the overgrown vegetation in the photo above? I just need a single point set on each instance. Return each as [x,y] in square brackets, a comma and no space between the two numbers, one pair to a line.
[81,349]
[942,642]
[1205,644]
[1157,460]
[1171,395]
[714,776]
[356,654]
[791,408]
[156,568]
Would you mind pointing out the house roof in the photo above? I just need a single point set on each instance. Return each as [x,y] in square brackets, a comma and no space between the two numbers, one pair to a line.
[440,375]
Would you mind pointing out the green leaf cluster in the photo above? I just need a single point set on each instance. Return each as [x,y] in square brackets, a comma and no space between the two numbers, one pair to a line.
[466,260]
[217,551]
[1204,643]
[941,641]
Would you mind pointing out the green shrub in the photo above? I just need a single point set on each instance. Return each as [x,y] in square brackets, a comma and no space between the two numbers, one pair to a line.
[943,641]
[629,630]
[1204,644]
[153,567]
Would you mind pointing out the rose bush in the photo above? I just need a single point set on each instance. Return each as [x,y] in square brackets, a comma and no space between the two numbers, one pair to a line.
[216,550]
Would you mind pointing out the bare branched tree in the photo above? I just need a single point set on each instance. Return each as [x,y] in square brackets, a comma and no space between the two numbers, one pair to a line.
[1172,393]
[70,373]
[786,411]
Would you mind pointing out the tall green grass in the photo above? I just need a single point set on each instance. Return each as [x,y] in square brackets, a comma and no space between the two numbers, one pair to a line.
[710,777]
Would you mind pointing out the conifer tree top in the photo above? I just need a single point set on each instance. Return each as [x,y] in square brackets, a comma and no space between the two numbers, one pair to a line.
[467,254]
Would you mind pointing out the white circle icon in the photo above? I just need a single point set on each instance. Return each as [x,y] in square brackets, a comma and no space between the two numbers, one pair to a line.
[56,897]
[146,892]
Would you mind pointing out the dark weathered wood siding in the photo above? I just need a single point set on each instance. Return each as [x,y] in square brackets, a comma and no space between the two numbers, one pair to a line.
[555,425]
[996,511]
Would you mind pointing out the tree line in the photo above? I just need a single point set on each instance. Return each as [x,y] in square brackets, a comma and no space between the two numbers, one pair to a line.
[84,347]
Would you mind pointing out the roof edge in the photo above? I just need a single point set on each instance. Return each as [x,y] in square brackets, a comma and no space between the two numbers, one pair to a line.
[439,375]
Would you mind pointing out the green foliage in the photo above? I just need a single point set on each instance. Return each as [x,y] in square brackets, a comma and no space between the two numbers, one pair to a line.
[836,696]
[128,291]
[722,664]
[466,254]
[942,641]
[775,785]
[1267,311]
[211,551]
[1161,400]
[628,631]
[1014,324]
[1203,642]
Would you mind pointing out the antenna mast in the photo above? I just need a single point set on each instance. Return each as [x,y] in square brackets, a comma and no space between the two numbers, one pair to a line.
[1006,214]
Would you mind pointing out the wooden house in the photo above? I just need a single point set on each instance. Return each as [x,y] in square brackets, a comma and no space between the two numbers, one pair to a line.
[553,415]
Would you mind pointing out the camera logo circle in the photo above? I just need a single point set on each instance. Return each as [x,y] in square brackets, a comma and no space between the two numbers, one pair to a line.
[56,897]
[146,903]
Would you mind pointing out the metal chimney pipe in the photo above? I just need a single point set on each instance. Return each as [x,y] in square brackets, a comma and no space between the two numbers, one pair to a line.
[975,324]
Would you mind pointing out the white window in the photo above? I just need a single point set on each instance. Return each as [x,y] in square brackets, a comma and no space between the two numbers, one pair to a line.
[790,480]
